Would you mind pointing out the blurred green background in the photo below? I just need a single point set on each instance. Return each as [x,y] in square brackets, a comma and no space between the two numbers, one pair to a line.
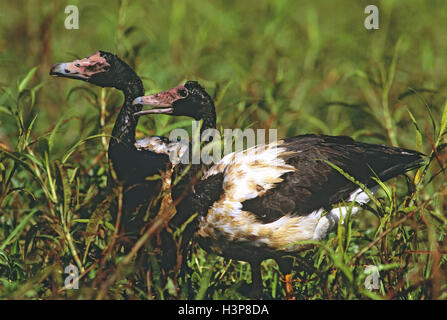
[284,62]
[296,66]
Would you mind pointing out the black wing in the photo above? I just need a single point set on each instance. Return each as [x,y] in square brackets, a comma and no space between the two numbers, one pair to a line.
[315,184]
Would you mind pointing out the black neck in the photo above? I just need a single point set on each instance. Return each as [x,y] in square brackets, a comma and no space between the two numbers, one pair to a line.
[125,125]
[205,193]
[209,120]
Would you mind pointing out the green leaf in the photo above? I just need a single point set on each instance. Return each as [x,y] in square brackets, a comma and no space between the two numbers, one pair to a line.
[443,123]
[34,159]
[352,179]
[385,188]
[5,110]
[4,257]
[206,277]
[27,79]
[2,172]
[30,128]
[91,96]
[221,93]
[30,237]
[65,187]
[95,220]
[72,149]
[18,229]
[43,147]
[53,132]
[317,123]
[15,156]
[418,131]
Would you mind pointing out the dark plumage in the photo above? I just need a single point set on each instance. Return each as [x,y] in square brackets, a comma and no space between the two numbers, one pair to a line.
[317,185]
[130,164]
[260,203]
[196,106]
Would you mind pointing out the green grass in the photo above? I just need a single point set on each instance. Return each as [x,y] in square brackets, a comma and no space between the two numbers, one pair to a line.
[297,66]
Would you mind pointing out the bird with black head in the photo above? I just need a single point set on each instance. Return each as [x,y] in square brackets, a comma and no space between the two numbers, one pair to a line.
[132,161]
[263,202]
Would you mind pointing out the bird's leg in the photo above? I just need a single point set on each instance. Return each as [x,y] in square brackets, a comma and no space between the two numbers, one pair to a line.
[285,266]
[256,280]
[289,288]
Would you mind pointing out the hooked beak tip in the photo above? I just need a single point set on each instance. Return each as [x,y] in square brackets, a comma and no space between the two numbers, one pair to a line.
[58,69]
[137,101]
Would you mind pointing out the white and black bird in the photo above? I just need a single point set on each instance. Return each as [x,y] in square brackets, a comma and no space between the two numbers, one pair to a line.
[261,202]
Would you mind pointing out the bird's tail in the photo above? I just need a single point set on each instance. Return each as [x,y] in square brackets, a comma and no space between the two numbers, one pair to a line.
[398,161]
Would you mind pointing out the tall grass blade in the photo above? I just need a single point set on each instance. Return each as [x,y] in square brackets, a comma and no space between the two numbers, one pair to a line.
[17,230]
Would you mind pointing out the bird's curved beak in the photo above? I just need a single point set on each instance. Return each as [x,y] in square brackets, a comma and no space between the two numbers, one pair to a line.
[162,101]
[82,69]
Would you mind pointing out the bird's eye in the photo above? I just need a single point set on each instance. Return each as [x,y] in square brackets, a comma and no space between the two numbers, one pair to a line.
[182,92]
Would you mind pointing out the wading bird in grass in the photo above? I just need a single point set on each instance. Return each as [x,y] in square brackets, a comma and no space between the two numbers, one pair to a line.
[262,202]
[132,161]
